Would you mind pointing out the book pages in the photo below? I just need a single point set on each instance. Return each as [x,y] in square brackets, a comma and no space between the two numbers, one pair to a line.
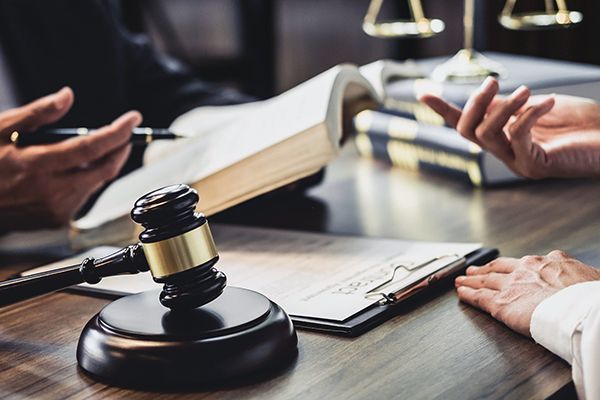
[219,144]
[379,73]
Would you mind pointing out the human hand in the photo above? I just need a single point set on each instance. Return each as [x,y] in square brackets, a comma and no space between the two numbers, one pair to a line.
[569,115]
[510,289]
[45,185]
[537,137]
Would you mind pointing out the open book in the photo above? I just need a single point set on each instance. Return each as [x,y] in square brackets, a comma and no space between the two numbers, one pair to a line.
[234,153]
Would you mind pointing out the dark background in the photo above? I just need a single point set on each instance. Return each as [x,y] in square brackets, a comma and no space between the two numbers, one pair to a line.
[267,46]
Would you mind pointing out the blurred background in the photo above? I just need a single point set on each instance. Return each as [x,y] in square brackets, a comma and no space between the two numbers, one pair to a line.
[264,47]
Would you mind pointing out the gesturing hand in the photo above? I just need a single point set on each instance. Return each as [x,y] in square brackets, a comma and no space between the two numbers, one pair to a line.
[510,289]
[537,137]
[44,186]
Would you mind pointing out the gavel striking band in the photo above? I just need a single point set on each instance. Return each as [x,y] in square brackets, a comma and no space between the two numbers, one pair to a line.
[179,247]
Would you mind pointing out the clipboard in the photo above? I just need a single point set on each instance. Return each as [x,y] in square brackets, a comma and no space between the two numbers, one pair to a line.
[264,251]
[391,303]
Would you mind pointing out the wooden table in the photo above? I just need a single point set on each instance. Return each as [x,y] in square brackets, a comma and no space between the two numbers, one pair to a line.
[434,348]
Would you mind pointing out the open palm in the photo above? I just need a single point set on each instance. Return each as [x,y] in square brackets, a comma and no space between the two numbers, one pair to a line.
[569,135]
[569,115]
[537,137]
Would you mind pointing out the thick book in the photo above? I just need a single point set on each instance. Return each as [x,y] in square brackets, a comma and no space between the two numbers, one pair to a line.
[338,284]
[406,143]
[234,153]
[542,76]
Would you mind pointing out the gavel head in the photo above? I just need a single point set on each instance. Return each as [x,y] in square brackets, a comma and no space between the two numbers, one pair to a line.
[179,247]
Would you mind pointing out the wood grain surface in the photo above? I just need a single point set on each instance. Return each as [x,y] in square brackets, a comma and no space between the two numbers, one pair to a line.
[435,347]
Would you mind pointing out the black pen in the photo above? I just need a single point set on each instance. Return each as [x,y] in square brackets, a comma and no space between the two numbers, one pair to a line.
[140,136]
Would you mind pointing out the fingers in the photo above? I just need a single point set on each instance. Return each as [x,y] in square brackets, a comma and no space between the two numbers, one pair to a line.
[502,265]
[43,111]
[482,284]
[77,152]
[559,255]
[101,172]
[480,298]
[491,276]
[530,158]
[490,133]
[485,119]
[493,280]
[476,107]
[496,101]
[534,101]
[520,130]
[89,181]
[51,200]
[449,112]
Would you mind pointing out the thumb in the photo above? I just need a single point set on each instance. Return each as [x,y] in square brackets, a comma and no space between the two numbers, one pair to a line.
[42,111]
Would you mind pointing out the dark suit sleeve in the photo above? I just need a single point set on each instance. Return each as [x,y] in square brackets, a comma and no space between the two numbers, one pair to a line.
[162,87]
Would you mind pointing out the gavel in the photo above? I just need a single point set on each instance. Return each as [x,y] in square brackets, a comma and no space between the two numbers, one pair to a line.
[195,330]
[176,245]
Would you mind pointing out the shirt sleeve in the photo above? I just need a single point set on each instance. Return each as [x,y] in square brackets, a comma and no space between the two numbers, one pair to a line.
[568,324]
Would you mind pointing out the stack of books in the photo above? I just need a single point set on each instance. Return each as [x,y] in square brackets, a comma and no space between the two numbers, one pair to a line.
[410,135]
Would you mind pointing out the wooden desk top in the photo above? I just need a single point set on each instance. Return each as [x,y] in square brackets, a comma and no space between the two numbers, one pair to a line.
[437,348]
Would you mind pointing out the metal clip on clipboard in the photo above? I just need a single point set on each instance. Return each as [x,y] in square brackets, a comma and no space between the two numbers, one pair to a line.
[394,297]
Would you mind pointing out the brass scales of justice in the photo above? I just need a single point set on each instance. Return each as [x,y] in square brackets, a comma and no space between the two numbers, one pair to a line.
[468,65]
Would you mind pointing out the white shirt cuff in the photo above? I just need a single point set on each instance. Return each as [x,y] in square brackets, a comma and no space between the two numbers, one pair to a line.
[555,320]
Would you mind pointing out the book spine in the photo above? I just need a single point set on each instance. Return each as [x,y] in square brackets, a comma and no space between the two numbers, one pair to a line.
[413,110]
[415,157]
[402,99]
[393,126]
[405,143]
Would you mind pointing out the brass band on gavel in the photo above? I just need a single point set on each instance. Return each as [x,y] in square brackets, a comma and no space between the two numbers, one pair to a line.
[180,253]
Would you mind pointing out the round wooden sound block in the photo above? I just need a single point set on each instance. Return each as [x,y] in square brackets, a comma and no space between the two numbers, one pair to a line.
[137,342]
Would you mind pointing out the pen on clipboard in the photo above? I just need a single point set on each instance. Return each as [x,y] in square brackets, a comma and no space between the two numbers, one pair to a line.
[139,136]
[392,297]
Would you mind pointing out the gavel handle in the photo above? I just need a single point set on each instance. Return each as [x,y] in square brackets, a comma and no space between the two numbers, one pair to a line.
[18,289]
[129,260]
